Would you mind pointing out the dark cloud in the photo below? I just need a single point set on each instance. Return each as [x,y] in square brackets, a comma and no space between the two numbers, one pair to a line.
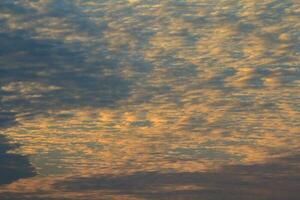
[13,166]
[50,63]
[278,179]
[27,196]
[12,6]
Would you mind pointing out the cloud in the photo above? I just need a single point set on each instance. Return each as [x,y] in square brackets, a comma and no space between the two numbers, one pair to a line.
[113,87]
[13,166]
[277,179]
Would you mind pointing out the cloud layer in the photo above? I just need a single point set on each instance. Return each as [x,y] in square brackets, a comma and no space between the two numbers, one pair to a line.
[131,87]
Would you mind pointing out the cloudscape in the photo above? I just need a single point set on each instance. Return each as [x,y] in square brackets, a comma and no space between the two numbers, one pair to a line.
[149,99]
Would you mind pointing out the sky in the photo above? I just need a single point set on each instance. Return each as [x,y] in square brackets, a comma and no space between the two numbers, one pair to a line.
[148,99]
